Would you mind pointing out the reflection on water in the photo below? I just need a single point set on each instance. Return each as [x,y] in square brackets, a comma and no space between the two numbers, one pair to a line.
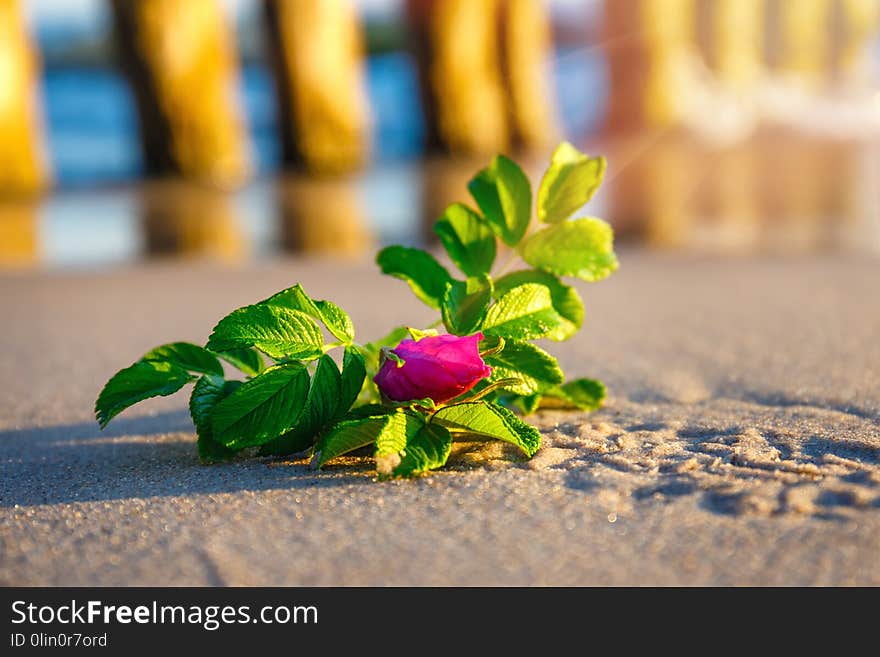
[776,192]
[322,216]
[18,233]
[444,181]
[187,219]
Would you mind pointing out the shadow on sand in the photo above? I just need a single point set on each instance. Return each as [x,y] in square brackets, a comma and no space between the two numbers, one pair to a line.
[141,457]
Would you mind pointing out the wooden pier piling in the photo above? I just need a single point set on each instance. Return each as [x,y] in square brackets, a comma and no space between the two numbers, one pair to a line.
[181,59]
[316,50]
[24,170]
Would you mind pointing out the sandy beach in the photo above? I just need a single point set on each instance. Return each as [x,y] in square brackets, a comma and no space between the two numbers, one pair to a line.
[740,444]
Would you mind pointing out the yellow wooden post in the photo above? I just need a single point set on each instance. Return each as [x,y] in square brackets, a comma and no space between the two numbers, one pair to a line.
[737,36]
[805,40]
[669,30]
[456,45]
[526,52]
[23,166]
[624,45]
[181,58]
[861,22]
[651,45]
[317,53]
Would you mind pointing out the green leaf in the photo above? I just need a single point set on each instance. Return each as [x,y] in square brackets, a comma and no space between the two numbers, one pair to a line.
[581,247]
[486,420]
[524,313]
[263,408]
[136,383]
[418,334]
[321,408]
[504,195]
[354,371]
[349,435]
[468,239]
[526,404]
[388,353]
[190,357]
[566,300]
[367,410]
[465,305]
[336,320]
[425,403]
[326,312]
[585,394]
[491,345]
[275,330]
[409,447]
[570,181]
[426,276]
[207,392]
[248,361]
[531,366]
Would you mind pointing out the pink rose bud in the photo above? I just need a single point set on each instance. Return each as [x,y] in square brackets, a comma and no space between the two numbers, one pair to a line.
[439,367]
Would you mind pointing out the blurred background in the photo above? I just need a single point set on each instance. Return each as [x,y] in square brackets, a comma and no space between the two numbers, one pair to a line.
[240,129]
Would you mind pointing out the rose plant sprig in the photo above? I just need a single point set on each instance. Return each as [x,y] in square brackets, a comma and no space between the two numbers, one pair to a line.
[410,395]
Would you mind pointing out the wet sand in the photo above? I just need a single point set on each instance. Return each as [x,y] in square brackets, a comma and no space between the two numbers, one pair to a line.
[740,444]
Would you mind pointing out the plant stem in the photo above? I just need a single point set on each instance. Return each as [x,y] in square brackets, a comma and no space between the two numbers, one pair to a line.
[514,256]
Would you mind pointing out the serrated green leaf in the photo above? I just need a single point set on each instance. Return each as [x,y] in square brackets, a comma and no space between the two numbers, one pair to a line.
[585,394]
[275,330]
[524,313]
[136,383]
[531,366]
[465,304]
[336,320]
[208,391]
[248,361]
[566,300]
[581,247]
[349,435]
[571,180]
[467,238]
[205,395]
[504,195]
[263,408]
[426,277]
[328,313]
[486,420]
[321,408]
[354,371]
[188,356]
[408,447]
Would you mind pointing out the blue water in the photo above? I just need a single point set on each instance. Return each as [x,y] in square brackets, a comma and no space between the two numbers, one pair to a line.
[92,125]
